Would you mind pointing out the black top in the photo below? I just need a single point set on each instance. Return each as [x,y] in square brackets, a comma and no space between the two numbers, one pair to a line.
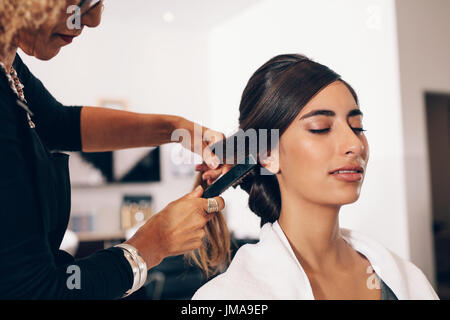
[386,292]
[35,203]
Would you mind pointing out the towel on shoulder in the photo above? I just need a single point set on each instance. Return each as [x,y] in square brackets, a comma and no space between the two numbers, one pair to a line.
[269,270]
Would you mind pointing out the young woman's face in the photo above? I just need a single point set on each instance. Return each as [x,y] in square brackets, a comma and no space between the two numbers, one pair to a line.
[307,157]
[46,42]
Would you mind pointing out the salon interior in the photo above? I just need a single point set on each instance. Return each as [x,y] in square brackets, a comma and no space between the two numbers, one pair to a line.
[193,59]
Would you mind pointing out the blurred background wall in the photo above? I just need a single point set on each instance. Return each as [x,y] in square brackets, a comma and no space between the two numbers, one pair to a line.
[424,58]
[193,58]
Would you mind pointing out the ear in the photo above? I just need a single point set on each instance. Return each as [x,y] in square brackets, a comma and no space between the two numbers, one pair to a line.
[271,161]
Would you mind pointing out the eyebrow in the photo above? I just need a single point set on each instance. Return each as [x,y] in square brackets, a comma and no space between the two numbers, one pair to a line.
[330,113]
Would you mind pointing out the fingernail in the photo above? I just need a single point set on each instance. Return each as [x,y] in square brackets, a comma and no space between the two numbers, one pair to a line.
[215,162]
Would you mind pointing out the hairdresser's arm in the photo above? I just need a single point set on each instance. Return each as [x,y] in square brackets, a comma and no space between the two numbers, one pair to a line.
[104,129]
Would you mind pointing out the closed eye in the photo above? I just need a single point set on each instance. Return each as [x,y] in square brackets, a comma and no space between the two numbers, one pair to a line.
[319,131]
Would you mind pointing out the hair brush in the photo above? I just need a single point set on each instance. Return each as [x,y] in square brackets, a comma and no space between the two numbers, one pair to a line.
[244,160]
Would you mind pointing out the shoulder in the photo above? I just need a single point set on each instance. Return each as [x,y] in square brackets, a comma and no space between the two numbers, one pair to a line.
[264,270]
[374,249]
[33,87]
[237,282]
[218,288]
[417,283]
[403,276]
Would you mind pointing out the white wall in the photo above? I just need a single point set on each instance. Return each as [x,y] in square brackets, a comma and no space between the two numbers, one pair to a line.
[355,38]
[159,70]
[424,52]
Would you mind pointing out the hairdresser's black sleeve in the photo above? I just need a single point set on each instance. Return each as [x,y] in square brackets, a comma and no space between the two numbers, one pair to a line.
[58,126]
[29,269]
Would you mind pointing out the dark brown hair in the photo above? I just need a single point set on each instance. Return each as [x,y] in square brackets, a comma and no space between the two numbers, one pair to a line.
[272,99]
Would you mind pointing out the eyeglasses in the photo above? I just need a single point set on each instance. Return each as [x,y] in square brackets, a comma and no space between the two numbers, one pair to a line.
[92,3]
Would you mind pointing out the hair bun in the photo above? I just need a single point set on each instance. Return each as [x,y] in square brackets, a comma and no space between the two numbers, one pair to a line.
[264,194]
[246,182]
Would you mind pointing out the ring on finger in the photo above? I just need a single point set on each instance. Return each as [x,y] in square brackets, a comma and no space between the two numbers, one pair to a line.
[213,205]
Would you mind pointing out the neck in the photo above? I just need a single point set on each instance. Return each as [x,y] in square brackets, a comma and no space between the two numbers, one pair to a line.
[8,58]
[312,230]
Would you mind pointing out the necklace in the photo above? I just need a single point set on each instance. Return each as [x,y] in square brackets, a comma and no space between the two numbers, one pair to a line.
[17,88]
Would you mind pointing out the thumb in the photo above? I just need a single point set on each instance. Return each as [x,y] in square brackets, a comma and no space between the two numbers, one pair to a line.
[196,193]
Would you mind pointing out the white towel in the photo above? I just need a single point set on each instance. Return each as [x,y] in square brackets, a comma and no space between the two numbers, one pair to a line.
[270,270]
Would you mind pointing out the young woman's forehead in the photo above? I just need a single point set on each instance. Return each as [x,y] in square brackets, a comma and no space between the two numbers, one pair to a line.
[335,97]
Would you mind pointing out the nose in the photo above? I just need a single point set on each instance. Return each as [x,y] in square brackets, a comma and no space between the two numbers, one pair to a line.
[93,17]
[351,142]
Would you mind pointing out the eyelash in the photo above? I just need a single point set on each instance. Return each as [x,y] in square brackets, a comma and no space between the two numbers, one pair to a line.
[360,130]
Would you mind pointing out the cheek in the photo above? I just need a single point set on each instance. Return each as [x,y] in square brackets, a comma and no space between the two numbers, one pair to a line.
[37,39]
[314,155]
[304,159]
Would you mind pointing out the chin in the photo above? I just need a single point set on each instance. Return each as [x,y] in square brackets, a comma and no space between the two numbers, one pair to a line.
[47,57]
[348,198]
[47,54]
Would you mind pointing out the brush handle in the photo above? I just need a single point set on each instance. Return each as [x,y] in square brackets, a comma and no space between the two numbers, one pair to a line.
[231,178]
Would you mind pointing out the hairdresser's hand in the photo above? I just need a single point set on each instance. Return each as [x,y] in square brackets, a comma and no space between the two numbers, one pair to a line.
[199,134]
[210,175]
[177,229]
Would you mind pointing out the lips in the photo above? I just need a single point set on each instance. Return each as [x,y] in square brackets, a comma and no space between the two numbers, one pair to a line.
[66,38]
[348,169]
[351,173]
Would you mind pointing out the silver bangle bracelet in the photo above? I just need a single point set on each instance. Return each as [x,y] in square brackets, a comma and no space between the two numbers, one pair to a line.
[138,266]
[136,273]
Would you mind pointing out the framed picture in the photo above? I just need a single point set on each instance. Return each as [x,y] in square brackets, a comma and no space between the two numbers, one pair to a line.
[139,165]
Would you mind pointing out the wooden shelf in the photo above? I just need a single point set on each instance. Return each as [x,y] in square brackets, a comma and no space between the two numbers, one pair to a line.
[99,236]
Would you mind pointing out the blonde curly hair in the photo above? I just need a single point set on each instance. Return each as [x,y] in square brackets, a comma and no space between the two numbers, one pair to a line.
[18,14]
